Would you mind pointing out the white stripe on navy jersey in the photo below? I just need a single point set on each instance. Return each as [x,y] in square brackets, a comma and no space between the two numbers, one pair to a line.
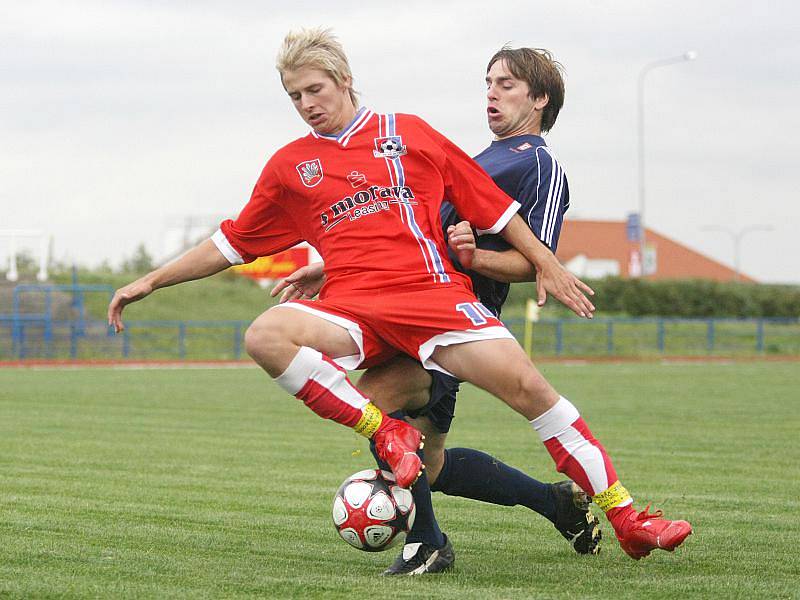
[552,207]
[559,198]
[548,207]
[556,204]
[555,179]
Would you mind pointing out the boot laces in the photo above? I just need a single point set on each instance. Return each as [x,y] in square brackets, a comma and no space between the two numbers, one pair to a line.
[646,514]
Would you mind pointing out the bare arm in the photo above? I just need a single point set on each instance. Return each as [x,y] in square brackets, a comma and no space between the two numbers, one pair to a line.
[508,266]
[551,276]
[201,261]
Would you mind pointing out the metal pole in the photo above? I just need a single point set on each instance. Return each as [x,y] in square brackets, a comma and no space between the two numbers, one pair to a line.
[689,55]
[736,239]
[737,264]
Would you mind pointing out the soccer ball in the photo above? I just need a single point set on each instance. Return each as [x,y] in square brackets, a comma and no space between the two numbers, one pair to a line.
[390,146]
[370,510]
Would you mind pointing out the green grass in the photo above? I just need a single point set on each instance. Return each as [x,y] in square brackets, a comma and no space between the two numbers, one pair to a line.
[225,296]
[215,484]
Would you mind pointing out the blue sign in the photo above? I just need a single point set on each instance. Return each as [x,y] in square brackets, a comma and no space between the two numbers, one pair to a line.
[633,228]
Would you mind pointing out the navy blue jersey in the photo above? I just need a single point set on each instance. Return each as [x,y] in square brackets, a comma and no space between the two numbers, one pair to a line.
[524,168]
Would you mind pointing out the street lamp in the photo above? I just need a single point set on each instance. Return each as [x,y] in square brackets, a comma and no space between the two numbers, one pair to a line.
[664,62]
[736,237]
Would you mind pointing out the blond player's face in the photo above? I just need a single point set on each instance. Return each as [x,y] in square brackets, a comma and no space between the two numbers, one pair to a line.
[511,111]
[322,104]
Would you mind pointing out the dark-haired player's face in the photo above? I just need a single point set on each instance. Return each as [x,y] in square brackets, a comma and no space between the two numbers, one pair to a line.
[325,106]
[511,111]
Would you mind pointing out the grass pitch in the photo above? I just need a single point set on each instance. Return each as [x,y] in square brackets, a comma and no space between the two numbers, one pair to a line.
[215,484]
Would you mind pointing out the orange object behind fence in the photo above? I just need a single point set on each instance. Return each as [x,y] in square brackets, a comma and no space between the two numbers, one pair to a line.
[278,265]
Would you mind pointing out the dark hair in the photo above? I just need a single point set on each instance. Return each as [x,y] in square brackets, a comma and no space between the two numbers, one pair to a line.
[543,74]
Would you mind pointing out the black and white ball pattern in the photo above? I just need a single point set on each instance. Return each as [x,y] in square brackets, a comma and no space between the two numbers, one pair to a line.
[370,510]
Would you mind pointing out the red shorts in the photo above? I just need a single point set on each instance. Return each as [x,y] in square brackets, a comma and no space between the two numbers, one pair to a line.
[414,320]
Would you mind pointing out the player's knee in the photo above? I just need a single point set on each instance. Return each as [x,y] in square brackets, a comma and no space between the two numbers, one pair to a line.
[434,461]
[531,394]
[263,335]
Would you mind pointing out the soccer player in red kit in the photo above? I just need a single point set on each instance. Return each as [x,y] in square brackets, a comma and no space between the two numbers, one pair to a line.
[365,190]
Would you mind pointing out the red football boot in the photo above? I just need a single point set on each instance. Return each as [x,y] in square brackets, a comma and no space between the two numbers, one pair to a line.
[397,443]
[642,532]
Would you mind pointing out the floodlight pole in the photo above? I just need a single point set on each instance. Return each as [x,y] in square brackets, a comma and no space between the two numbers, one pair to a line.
[736,238]
[664,62]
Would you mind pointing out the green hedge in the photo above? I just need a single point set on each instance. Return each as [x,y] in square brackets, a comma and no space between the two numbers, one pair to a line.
[681,298]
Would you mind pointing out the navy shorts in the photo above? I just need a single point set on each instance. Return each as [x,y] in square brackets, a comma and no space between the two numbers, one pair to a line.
[441,407]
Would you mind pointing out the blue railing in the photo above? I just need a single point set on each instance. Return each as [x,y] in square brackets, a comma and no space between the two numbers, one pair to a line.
[35,336]
[27,337]
[662,335]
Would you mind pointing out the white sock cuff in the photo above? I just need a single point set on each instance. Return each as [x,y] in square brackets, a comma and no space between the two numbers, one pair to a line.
[303,365]
[557,418]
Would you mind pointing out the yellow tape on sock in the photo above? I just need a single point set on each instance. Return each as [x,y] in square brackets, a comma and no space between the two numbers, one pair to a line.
[371,418]
[613,496]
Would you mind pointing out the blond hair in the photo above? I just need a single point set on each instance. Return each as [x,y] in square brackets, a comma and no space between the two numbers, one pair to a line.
[319,49]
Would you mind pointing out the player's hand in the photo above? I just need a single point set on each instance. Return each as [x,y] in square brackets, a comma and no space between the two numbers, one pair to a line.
[552,278]
[124,296]
[306,282]
[462,241]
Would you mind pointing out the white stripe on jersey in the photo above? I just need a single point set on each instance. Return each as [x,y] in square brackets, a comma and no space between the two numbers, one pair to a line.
[429,245]
[395,178]
[357,127]
[389,167]
[557,207]
[554,192]
[548,207]
[359,120]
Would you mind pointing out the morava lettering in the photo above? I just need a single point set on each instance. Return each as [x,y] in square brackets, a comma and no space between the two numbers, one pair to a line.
[369,201]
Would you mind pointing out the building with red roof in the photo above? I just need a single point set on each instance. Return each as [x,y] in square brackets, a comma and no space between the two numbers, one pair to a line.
[595,249]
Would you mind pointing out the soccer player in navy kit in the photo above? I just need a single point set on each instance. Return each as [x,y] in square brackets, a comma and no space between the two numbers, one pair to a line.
[525,92]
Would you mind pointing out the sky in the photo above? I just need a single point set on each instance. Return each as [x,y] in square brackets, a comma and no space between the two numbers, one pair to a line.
[121,121]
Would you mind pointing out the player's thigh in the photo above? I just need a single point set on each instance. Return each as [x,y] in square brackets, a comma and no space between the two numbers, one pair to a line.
[275,335]
[502,368]
[398,384]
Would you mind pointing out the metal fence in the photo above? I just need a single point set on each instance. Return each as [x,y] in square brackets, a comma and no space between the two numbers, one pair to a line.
[38,337]
[662,336]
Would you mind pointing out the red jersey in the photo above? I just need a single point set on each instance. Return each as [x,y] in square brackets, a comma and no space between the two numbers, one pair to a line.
[368,200]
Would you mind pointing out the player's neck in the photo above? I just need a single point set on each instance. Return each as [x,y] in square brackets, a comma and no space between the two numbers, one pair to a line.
[342,120]
[531,125]
[516,135]
[532,130]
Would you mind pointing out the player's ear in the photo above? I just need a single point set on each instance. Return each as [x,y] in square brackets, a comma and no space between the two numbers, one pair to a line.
[541,101]
[347,82]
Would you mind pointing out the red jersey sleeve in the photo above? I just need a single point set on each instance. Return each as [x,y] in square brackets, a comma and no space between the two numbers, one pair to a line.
[467,186]
[263,227]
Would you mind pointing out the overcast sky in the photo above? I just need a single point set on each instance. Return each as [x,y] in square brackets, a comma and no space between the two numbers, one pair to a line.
[120,119]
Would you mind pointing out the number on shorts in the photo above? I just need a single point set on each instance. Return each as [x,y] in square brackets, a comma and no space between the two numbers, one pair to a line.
[475,312]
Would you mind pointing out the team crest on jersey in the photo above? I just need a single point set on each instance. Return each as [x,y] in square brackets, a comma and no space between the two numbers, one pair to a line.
[389,147]
[310,172]
[522,147]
